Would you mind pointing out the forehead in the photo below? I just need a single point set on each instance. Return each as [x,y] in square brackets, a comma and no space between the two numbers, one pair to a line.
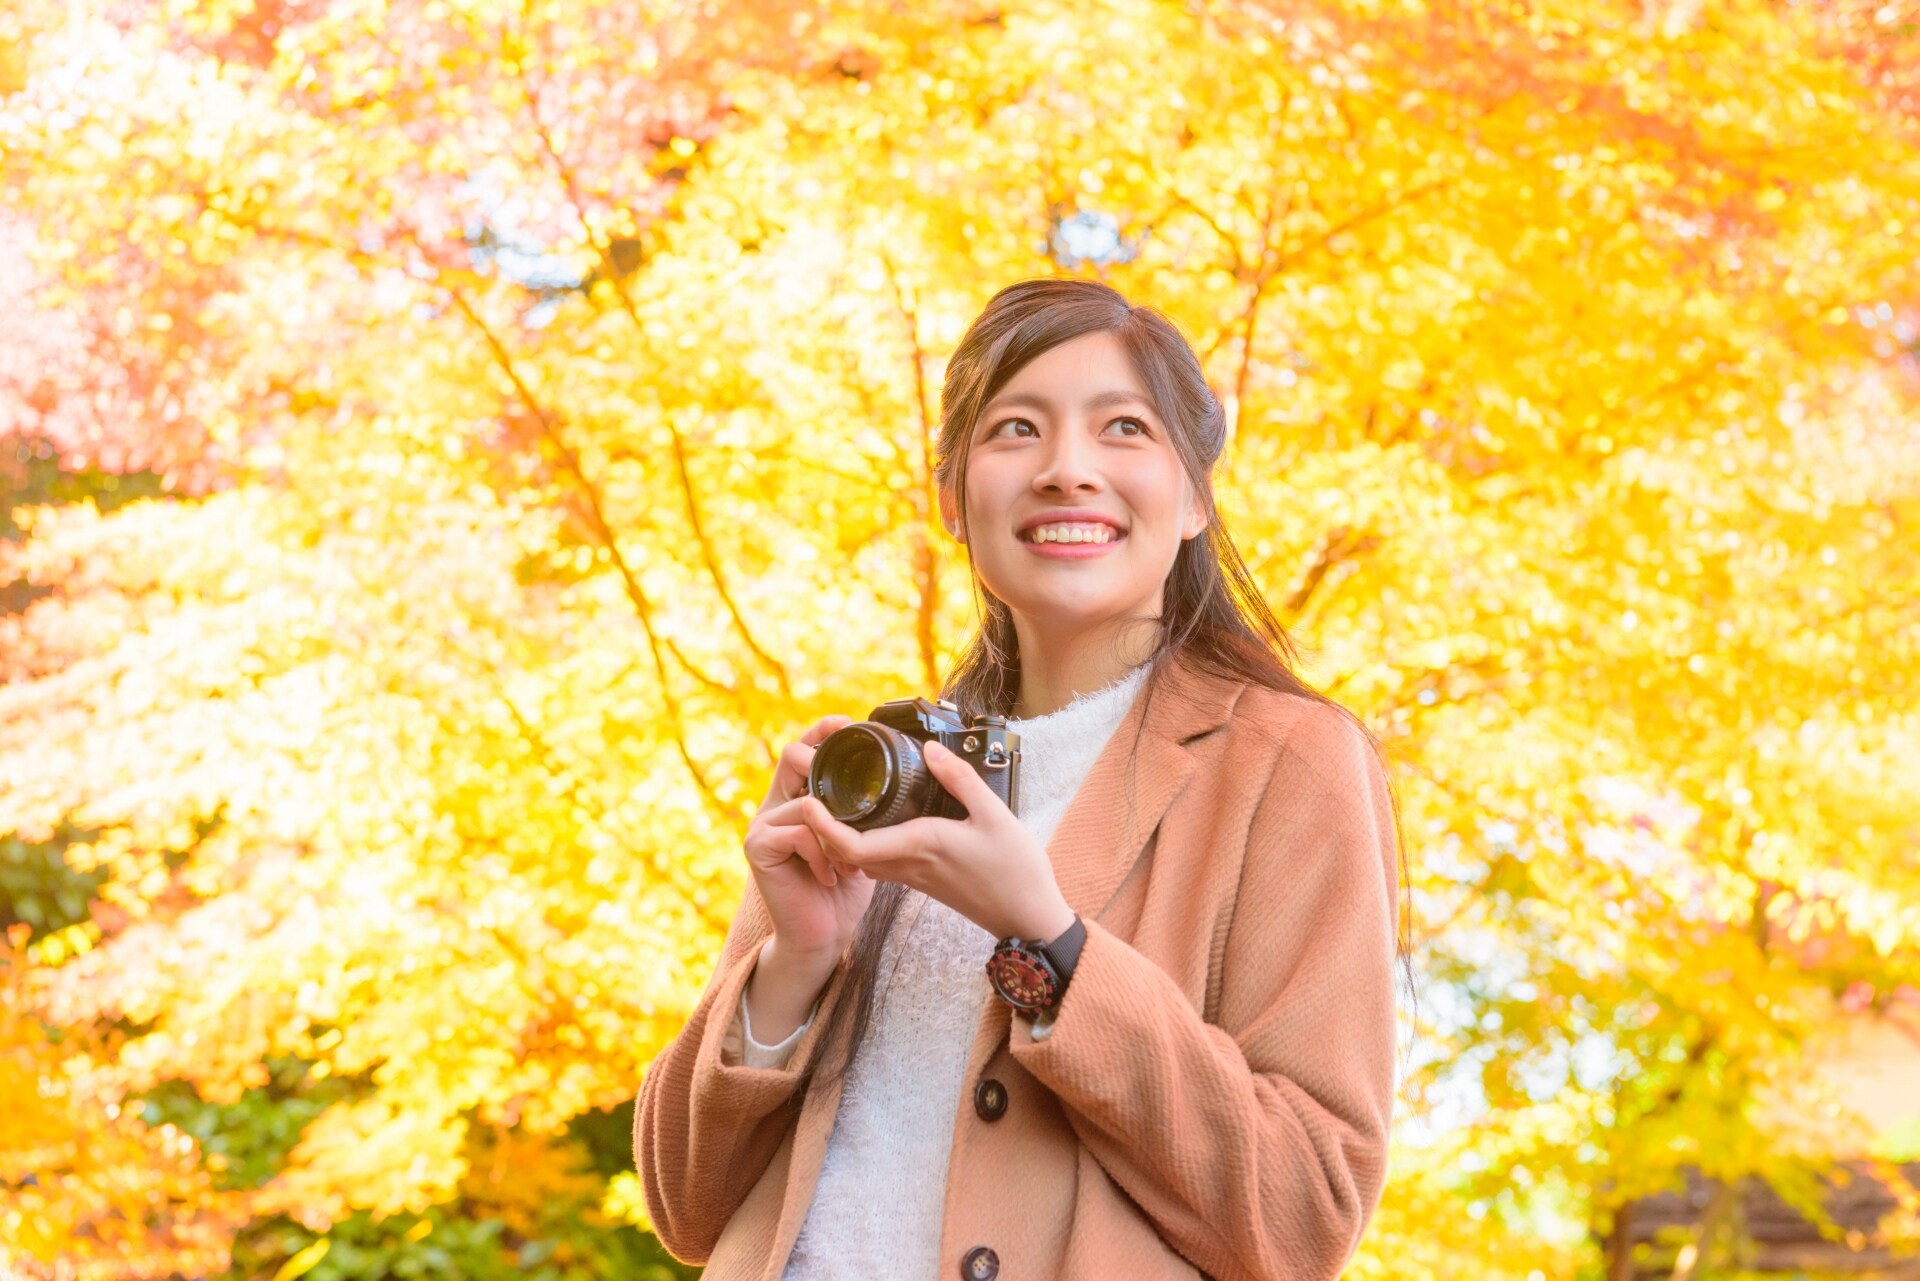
[1092,370]
[1050,402]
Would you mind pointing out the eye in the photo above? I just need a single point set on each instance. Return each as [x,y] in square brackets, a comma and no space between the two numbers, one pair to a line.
[995,429]
[1136,422]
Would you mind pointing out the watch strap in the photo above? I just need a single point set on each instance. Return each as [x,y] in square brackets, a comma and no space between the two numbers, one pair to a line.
[1063,953]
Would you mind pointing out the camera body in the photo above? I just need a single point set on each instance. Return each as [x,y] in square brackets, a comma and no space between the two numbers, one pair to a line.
[873,773]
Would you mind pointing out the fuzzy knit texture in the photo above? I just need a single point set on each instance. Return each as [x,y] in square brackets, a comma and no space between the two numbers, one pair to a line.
[1215,1095]
[877,1208]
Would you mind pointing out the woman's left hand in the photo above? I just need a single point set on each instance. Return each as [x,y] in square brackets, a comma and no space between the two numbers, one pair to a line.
[988,867]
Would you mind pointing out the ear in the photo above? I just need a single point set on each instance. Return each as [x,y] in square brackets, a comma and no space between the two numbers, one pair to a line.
[1196,515]
[950,516]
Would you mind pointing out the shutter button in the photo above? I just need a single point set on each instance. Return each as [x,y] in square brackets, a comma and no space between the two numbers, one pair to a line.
[981,1264]
[990,1099]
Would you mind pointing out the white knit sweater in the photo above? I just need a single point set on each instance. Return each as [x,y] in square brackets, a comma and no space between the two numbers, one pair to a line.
[876,1210]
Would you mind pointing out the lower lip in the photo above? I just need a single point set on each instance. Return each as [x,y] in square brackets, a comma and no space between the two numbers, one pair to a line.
[1072,551]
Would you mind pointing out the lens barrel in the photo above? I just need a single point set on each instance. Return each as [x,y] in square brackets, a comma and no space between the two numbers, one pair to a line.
[870,775]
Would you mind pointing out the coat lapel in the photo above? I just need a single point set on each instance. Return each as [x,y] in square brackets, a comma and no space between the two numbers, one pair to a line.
[1126,793]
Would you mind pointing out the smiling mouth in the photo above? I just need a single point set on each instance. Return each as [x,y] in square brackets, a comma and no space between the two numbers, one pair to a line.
[1073,532]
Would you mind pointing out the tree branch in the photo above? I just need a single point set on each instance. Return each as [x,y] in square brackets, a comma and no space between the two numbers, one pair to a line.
[619,286]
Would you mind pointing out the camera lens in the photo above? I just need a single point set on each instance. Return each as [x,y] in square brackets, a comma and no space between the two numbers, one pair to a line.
[870,775]
[851,772]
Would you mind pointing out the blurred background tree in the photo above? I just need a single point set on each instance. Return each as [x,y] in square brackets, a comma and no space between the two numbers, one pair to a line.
[450,448]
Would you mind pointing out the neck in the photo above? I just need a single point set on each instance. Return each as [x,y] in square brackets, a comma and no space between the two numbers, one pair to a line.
[1054,669]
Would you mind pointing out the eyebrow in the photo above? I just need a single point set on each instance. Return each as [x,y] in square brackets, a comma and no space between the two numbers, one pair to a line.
[1034,400]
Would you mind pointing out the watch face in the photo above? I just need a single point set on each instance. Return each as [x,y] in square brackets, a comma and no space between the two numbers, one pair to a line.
[1021,978]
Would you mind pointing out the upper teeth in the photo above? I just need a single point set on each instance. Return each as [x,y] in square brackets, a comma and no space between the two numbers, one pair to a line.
[1089,532]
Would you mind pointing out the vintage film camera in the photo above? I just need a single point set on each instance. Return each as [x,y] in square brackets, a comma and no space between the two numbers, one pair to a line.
[872,773]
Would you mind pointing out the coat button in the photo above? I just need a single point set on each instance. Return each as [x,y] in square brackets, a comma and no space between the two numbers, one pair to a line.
[981,1264]
[990,1099]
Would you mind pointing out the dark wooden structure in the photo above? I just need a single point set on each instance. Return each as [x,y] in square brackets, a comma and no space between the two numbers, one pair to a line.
[1764,1232]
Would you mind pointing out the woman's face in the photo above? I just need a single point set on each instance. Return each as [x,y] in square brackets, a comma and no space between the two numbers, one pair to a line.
[1073,429]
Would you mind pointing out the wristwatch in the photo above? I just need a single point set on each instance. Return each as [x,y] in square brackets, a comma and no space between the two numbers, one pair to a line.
[1031,976]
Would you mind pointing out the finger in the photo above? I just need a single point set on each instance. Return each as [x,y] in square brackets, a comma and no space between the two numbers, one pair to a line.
[823,727]
[782,813]
[834,836]
[846,844]
[876,847]
[915,837]
[796,758]
[797,840]
[807,848]
[959,777]
[790,778]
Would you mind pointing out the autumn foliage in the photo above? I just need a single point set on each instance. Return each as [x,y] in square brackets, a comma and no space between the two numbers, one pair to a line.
[449,448]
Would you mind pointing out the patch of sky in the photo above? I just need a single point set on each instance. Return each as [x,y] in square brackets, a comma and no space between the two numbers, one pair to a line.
[518,260]
[1451,1011]
[1444,859]
[501,242]
[550,277]
[1644,837]
[1632,800]
[1473,970]
[1089,236]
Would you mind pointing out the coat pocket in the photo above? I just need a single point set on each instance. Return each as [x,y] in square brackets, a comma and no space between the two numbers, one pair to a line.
[1113,1237]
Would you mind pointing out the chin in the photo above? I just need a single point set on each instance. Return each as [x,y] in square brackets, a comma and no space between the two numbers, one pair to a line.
[1066,607]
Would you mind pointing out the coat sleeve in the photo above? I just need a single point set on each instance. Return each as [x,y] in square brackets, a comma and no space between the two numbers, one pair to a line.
[1257,1146]
[706,1124]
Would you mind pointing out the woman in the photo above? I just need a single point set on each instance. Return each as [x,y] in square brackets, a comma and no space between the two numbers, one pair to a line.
[1144,1027]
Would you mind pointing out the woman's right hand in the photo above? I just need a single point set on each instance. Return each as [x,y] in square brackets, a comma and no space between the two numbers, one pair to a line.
[815,904]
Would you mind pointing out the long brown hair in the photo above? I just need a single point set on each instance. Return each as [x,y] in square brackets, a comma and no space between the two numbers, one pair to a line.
[1213,614]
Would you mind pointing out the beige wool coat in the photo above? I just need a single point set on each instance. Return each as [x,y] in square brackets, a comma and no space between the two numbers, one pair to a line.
[1215,1096]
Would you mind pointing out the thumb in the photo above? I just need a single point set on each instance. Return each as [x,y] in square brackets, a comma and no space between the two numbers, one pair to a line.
[955,774]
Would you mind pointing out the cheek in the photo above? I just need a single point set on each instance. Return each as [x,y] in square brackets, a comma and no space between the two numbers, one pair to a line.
[989,494]
[1157,493]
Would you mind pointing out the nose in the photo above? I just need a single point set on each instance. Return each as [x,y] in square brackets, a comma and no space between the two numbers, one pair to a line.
[1068,462]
